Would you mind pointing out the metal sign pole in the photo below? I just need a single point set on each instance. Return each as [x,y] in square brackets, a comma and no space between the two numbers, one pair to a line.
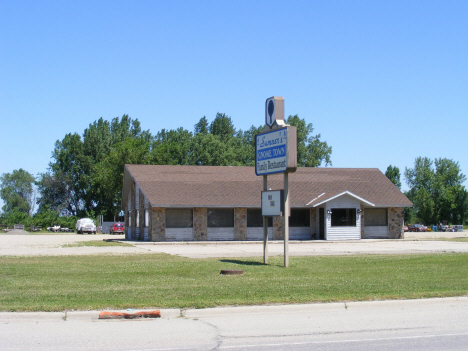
[286,220]
[265,226]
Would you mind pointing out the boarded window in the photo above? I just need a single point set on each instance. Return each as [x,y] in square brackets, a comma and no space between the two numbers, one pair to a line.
[255,218]
[299,218]
[220,218]
[375,217]
[179,218]
[343,217]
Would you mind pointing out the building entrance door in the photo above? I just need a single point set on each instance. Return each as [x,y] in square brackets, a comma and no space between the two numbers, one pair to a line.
[321,224]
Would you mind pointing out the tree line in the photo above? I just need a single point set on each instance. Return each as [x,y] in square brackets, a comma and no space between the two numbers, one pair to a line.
[436,190]
[85,175]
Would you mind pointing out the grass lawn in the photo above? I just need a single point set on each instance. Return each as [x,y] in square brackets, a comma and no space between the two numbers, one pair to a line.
[162,281]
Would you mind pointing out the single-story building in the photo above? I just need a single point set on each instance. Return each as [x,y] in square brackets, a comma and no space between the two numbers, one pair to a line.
[203,203]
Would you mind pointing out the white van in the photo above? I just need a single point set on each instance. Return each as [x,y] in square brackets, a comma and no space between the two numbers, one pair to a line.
[85,225]
[457,228]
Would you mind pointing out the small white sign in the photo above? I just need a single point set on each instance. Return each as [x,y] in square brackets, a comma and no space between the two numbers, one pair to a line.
[272,203]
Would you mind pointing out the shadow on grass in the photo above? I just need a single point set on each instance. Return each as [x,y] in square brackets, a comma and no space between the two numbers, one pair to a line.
[244,263]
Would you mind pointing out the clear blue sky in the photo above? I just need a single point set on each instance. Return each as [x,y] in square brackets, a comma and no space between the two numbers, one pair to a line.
[383,82]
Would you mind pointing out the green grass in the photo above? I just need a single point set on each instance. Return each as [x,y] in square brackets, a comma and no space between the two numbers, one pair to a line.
[163,281]
[96,243]
[460,239]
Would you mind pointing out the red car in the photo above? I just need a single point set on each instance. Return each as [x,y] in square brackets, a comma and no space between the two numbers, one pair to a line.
[417,228]
[117,228]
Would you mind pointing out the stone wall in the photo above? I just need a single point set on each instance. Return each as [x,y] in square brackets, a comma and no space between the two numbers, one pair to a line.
[133,209]
[396,221]
[240,224]
[278,228]
[200,225]
[157,229]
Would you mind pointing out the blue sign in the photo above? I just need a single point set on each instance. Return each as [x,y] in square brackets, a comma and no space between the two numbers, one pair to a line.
[271,152]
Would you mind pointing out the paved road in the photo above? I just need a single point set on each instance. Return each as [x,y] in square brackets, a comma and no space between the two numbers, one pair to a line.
[28,245]
[431,324]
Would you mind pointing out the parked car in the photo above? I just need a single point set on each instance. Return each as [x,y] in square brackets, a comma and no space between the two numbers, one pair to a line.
[457,228]
[405,228]
[417,228]
[85,225]
[117,228]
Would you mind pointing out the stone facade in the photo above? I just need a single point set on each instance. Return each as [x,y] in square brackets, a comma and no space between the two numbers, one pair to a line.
[158,224]
[313,223]
[240,224]
[133,211]
[200,225]
[278,228]
[396,221]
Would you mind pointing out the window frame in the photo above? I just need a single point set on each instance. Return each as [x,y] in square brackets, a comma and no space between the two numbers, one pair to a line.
[337,217]
[168,211]
[209,221]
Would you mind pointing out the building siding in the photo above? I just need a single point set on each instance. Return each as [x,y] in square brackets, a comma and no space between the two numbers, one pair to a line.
[342,233]
[179,234]
[375,232]
[256,233]
[220,234]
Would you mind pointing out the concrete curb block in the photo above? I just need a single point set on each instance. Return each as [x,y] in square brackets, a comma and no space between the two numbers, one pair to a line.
[133,315]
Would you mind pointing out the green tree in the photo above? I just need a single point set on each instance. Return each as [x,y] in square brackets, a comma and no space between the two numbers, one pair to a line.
[173,147]
[436,190]
[201,126]
[311,152]
[57,193]
[248,145]
[76,172]
[17,192]
[108,173]
[393,173]
[223,127]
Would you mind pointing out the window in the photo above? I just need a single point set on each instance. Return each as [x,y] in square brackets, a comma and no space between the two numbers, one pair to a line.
[179,218]
[255,218]
[137,216]
[146,218]
[221,218]
[375,217]
[299,218]
[343,217]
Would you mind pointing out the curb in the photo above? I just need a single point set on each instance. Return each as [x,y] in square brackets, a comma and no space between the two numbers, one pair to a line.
[134,315]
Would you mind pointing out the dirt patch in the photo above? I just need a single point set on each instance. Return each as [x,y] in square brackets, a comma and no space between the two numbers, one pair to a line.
[17,232]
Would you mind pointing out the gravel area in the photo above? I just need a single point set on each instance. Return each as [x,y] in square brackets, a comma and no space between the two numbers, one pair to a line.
[21,244]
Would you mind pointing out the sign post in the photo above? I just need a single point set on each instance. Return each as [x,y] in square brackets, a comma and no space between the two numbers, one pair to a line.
[276,152]
[265,226]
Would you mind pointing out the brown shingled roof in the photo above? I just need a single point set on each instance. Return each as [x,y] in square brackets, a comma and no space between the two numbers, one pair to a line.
[226,186]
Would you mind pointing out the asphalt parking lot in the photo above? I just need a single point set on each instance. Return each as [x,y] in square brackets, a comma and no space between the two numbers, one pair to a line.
[22,244]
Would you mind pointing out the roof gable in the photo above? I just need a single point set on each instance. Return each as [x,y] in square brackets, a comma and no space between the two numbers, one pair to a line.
[339,195]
